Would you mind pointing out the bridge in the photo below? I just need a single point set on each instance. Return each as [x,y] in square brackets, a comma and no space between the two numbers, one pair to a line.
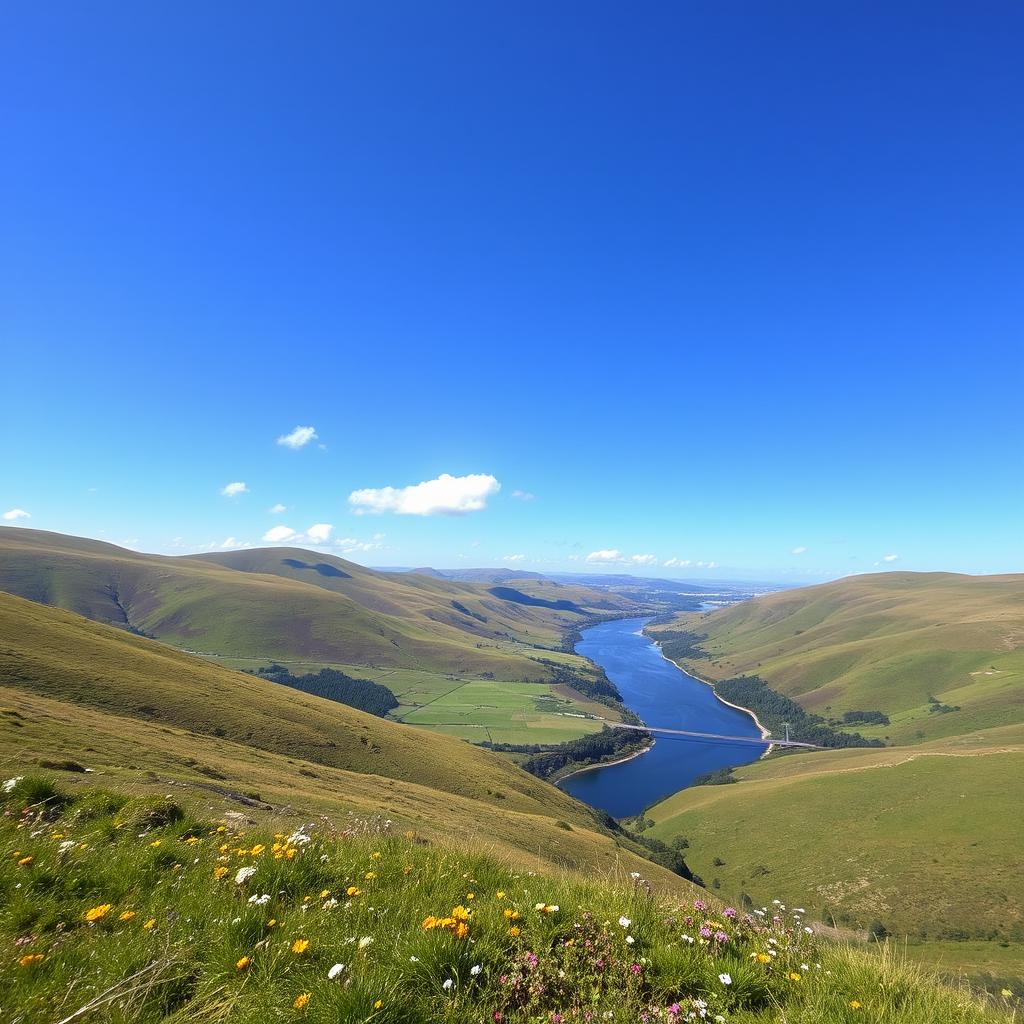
[687,733]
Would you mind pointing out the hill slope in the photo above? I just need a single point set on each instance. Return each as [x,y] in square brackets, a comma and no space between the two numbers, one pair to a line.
[150,716]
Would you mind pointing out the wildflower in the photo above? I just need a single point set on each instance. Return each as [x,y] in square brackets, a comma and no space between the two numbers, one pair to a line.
[66,847]
[365,941]
[335,971]
[324,893]
[855,1004]
[353,890]
[300,946]
[9,784]
[330,904]
[630,940]
[763,958]
[475,970]
[1006,992]
[375,855]
[378,1004]
[793,976]
[370,876]
[257,850]
[149,925]
[272,922]
[299,838]
[96,913]
[700,905]
[447,984]
[514,932]
[512,915]
[624,922]
[220,871]
[725,979]
[260,901]
[500,894]
[243,874]
[243,963]
[156,843]
[301,1000]
[634,875]
[127,915]
[31,959]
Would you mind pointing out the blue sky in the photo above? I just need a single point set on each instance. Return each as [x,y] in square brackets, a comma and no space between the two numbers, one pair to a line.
[738,285]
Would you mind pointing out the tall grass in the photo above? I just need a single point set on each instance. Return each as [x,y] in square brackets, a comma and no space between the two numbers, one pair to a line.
[132,910]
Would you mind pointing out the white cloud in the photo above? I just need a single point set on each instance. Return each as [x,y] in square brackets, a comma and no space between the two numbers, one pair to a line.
[605,556]
[447,495]
[643,559]
[319,533]
[352,545]
[16,513]
[677,563]
[513,558]
[523,495]
[277,534]
[276,510]
[890,558]
[799,551]
[237,487]
[232,543]
[298,437]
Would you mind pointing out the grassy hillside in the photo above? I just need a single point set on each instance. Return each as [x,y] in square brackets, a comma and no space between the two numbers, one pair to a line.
[887,642]
[117,909]
[149,716]
[920,836]
[311,610]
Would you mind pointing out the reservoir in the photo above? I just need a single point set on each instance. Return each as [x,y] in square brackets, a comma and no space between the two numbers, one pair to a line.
[662,695]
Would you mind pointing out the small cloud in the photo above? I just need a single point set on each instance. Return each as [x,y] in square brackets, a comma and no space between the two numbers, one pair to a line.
[799,551]
[353,545]
[278,534]
[513,558]
[890,558]
[523,495]
[605,556]
[232,543]
[319,533]
[14,514]
[276,510]
[230,490]
[298,437]
[677,563]
[643,560]
[447,495]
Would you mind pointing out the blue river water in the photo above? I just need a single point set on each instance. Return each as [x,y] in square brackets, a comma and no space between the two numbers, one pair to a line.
[662,695]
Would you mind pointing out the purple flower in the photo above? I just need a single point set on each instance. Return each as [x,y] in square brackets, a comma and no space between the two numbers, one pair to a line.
[705,932]
[700,905]
[721,937]
[729,912]
[635,968]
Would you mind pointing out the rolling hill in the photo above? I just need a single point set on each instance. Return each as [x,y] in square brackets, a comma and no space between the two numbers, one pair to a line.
[148,717]
[853,833]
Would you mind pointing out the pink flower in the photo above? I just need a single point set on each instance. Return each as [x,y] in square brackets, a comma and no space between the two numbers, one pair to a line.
[729,912]
[700,905]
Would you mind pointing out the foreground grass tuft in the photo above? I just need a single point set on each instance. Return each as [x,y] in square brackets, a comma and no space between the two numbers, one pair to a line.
[115,910]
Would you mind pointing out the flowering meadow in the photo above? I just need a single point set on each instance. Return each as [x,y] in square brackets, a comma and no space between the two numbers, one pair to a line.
[119,909]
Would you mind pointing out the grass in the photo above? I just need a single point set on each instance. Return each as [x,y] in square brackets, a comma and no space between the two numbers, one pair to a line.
[122,909]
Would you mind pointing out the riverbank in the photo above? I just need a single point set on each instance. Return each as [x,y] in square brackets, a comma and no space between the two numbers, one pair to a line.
[603,764]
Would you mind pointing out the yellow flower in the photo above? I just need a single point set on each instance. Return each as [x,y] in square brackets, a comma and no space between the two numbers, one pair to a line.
[192,840]
[470,895]
[763,958]
[290,854]
[300,946]
[301,1000]
[513,931]
[150,924]
[370,876]
[324,893]
[220,871]
[793,976]
[378,1004]
[375,855]
[500,894]
[243,963]
[512,915]
[95,913]
[461,930]
[854,1004]
[353,890]
[272,922]
[127,915]
[156,842]
[258,849]
[1006,992]
[29,959]
[25,861]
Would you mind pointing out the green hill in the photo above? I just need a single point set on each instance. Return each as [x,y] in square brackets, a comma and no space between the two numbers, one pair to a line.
[921,835]
[150,717]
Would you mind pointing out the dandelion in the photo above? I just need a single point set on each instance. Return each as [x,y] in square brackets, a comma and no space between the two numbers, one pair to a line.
[353,890]
[31,959]
[156,843]
[96,913]
[514,932]
[257,850]
[324,893]
[25,861]
[370,876]
[725,979]
[375,855]
[378,1004]
[300,946]
[242,964]
[149,925]
[219,872]
[127,915]
[500,894]
[855,1004]
[793,976]
[301,1000]
[244,874]
[512,915]
[763,958]
[335,971]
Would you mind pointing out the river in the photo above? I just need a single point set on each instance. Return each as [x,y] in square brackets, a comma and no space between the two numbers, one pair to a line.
[662,695]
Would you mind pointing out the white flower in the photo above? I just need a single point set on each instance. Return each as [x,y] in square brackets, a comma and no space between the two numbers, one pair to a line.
[414,959]
[335,971]
[68,844]
[804,967]
[365,941]
[689,939]
[634,874]
[808,929]
[630,940]
[447,984]
[9,784]
[299,838]
[475,970]
[259,901]
[242,874]
[624,922]
[725,979]
[329,904]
